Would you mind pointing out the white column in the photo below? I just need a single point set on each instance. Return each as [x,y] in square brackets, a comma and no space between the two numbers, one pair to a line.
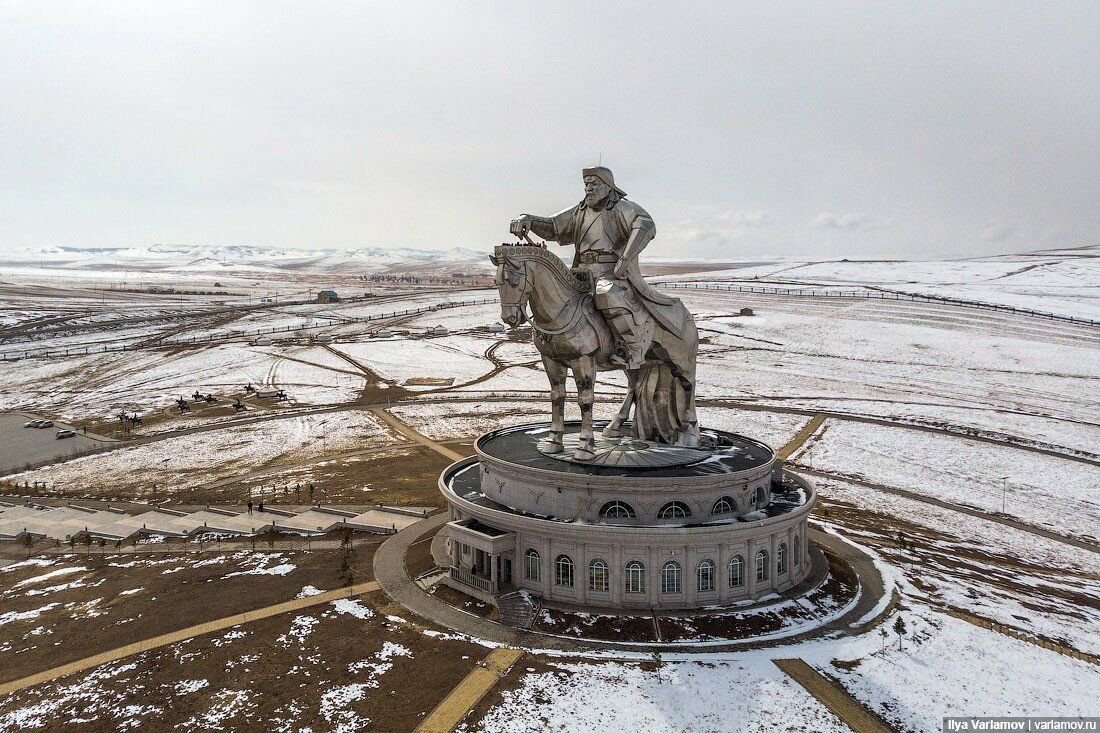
[750,567]
[617,577]
[653,576]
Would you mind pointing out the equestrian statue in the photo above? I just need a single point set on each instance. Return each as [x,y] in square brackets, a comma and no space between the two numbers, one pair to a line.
[601,315]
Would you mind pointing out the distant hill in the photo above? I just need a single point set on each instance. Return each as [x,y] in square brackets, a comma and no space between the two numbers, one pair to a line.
[189,257]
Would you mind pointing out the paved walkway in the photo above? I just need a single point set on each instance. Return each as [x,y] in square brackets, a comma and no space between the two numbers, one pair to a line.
[408,432]
[801,437]
[833,696]
[175,637]
[469,692]
[390,572]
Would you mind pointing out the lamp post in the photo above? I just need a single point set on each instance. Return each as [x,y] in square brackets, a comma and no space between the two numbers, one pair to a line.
[1004,492]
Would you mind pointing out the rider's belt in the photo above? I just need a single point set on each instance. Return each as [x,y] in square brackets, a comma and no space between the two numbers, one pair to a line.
[592,258]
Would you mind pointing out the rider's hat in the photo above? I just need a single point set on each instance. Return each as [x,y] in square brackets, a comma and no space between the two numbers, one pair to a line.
[605,175]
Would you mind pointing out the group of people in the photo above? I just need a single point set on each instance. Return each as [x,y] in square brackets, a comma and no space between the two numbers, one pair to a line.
[286,489]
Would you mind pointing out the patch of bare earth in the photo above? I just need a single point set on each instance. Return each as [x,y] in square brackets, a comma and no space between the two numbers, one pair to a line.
[342,666]
[93,603]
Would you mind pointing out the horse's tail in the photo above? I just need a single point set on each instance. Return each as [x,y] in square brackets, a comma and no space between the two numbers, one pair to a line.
[662,404]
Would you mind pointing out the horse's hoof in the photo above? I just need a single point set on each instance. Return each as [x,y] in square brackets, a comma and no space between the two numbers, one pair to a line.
[613,432]
[551,446]
[583,455]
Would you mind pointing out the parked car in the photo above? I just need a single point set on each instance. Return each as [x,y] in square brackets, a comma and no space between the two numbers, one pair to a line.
[44,424]
[31,424]
[66,434]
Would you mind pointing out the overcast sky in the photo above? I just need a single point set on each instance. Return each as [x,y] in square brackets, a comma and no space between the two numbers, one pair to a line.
[916,130]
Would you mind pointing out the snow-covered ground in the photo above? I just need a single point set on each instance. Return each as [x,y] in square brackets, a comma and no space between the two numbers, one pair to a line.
[1066,282]
[99,386]
[187,461]
[701,697]
[1039,489]
[953,370]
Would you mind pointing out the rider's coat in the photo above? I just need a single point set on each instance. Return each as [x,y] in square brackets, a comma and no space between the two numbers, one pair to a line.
[600,236]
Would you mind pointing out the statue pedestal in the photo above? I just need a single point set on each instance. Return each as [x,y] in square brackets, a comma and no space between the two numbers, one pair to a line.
[626,452]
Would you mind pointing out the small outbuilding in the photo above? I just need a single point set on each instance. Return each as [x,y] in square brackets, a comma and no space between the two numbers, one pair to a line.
[438,331]
[746,311]
[385,333]
[328,296]
[496,328]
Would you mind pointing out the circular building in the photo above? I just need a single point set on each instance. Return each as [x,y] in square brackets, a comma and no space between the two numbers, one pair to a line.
[644,526]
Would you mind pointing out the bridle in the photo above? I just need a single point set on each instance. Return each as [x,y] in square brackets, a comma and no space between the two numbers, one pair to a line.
[521,306]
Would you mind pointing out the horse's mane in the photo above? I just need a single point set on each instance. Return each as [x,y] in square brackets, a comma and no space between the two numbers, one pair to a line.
[522,252]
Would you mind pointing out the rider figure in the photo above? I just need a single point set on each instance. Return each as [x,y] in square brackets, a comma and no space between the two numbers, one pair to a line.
[609,233]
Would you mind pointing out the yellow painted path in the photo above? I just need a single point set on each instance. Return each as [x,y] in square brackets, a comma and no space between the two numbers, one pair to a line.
[469,691]
[833,696]
[408,432]
[175,637]
[801,437]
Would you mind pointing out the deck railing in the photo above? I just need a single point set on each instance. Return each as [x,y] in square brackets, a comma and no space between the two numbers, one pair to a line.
[470,579]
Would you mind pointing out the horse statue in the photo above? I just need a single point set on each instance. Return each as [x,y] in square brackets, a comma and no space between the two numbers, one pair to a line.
[571,335]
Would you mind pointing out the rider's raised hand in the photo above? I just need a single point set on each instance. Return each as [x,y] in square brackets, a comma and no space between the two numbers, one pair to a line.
[520,225]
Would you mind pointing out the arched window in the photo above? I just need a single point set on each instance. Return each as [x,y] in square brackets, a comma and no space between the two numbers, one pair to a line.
[797,549]
[617,510]
[674,510]
[758,496]
[635,577]
[704,576]
[781,559]
[671,578]
[737,571]
[762,565]
[599,576]
[532,566]
[563,571]
[725,505]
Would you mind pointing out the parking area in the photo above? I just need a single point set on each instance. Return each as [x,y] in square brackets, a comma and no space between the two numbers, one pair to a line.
[29,446]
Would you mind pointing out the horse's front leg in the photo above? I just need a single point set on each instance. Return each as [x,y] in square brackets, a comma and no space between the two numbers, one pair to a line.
[614,429]
[556,373]
[584,374]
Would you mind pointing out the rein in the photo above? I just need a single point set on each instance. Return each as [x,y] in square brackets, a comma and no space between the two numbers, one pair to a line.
[548,333]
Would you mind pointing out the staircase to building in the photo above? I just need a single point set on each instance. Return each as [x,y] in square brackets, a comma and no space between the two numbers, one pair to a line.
[519,609]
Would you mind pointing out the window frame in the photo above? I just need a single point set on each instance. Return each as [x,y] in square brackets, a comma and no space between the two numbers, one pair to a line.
[635,570]
[566,564]
[671,508]
[728,501]
[617,504]
[739,562]
[671,570]
[532,555]
[599,566]
[705,568]
[762,558]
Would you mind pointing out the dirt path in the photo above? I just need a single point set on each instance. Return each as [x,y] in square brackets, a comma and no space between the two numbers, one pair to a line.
[833,696]
[469,692]
[183,634]
[408,432]
[801,437]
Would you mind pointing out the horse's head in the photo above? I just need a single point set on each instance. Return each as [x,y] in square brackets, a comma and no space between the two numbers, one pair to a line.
[514,287]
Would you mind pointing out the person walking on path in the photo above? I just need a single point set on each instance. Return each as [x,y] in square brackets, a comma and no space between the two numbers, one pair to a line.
[261,505]
[249,506]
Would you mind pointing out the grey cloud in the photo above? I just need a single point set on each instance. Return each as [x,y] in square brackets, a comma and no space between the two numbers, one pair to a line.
[854,222]
[433,124]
